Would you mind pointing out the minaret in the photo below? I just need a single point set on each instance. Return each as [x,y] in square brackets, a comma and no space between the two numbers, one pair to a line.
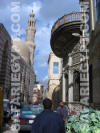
[30,35]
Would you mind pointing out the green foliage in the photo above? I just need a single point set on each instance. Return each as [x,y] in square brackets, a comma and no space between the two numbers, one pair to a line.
[88,121]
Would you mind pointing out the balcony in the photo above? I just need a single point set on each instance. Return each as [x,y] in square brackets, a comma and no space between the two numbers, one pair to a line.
[65,33]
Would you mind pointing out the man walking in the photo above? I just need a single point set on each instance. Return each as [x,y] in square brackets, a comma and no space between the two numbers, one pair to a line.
[62,110]
[48,121]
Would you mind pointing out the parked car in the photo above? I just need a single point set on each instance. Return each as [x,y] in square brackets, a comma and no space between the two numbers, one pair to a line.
[27,116]
[13,108]
[7,111]
[37,109]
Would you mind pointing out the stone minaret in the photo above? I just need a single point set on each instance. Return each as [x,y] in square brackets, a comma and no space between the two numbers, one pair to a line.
[30,35]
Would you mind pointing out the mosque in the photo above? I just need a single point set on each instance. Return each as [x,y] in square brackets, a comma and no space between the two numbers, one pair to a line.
[25,49]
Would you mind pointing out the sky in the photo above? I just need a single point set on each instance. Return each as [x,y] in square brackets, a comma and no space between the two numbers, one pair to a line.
[46,14]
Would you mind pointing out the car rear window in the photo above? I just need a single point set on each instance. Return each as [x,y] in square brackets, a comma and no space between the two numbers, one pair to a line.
[37,110]
[31,110]
[26,111]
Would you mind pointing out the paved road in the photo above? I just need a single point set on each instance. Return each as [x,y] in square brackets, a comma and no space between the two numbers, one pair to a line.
[7,129]
[10,128]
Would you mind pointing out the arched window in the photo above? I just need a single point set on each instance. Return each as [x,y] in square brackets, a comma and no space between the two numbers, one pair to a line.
[76,86]
[66,83]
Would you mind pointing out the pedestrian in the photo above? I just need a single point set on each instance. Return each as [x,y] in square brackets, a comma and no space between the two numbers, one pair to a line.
[63,111]
[48,121]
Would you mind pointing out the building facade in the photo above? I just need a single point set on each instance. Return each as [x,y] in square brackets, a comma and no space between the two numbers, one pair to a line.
[54,77]
[69,42]
[27,80]
[5,71]
[38,93]
[5,58]
[94,53]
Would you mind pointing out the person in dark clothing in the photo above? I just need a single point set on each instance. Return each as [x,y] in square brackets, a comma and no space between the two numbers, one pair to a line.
[63,111]
[48,121]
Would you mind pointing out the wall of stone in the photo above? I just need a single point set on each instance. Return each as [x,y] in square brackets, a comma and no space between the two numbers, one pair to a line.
[53,79]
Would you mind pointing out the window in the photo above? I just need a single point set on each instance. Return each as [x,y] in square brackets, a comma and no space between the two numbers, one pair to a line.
[55,67]
[76,86]
[98,8]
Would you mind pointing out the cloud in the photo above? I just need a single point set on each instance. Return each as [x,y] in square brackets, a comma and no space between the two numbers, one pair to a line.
[35,6]
[45,81]
[45,78]
[44,65]
[52,9]
[5,3]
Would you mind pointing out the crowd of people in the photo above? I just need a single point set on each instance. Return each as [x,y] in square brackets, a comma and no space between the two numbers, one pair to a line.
[49,121]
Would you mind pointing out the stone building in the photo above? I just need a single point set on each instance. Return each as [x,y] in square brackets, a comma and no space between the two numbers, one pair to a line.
[94,53]
[54,78]
[27,79]
[5,58]
[35,95]
[45,93]
[40,87]
[69,42]
[38,93]
[25,50]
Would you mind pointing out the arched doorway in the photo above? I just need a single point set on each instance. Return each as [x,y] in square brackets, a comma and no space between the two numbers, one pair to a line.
[76,86]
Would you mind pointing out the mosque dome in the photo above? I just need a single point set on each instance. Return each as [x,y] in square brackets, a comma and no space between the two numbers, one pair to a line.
[21,48]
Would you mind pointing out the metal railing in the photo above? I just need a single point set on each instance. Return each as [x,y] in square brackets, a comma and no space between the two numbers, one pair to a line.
[74,16]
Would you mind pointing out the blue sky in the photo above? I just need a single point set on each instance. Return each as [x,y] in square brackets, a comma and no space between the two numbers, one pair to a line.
[46,13]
